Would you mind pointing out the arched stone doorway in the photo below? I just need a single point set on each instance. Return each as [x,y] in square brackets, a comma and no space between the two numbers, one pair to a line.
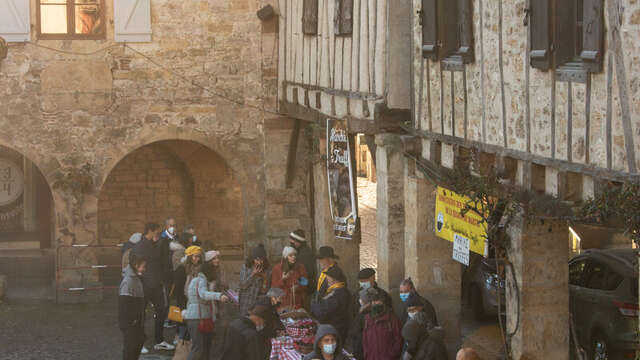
[26,228]
[179,178]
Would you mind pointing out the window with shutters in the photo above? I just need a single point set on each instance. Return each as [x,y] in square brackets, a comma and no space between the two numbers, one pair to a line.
[344,17]
[15,20]
[70,19]
[310,17]
[447,30]
[566,35]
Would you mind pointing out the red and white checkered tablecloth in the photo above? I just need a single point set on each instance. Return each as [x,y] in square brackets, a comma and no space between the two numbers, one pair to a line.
[282,347]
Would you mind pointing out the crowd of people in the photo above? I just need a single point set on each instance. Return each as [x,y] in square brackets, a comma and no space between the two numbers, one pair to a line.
[162,268]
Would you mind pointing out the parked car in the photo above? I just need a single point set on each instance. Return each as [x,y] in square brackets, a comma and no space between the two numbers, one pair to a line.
[603,298]
[483,287]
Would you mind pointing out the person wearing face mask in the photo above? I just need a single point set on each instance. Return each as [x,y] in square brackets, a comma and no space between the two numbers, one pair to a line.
[328,345]
[381,338]
[291,276]
[168,235]
[354,341]
[131,307]
[189,236]
[273,326]
[422,344]
[298,240]
[153,280]
[333,308]
[242,339]
[415,306]
[367,280]
[406,290]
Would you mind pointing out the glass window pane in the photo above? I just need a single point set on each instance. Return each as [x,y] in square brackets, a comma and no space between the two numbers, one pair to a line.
[89,19]
[53,19]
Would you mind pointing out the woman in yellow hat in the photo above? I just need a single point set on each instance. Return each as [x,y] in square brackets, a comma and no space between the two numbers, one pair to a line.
[181,279]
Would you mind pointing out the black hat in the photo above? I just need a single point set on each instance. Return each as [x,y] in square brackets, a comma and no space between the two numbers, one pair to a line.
[326,252]
[298,235]
[365,274]
[413,300]
[337,274]
[259,252]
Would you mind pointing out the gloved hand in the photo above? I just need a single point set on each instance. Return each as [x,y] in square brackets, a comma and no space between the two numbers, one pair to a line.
[303,281]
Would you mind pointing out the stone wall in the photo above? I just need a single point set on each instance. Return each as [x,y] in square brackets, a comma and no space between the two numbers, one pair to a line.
[80,109]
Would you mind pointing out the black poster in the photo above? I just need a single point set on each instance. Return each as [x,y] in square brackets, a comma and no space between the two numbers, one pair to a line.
[341,181]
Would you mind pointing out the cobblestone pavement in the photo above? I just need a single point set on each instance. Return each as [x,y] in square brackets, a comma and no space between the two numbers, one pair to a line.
[367,206]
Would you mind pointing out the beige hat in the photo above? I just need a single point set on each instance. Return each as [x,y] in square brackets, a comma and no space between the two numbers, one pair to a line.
[288,250]
[210,255]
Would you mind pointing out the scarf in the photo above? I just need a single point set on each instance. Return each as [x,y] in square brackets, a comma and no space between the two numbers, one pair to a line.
[323,277]
[338,285]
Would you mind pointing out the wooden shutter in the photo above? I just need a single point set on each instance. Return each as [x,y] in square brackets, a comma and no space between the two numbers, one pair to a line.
[344,17]
[540,34]
[465,30]
[429,29]
[593,35]
[447,28]
[310,17]
[15,22]
[564,37]
[132,20]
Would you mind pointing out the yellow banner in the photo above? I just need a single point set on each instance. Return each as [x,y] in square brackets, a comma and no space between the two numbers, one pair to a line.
[450,222]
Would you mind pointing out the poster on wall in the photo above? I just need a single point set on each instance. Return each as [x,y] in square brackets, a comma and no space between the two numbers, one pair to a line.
[342,193]
[467,232]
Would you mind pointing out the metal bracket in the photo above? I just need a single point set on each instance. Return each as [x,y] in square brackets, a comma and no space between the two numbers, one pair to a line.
[572,72]
[453,63]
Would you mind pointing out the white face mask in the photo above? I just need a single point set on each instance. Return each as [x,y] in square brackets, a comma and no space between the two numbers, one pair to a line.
[195,238]
[412,315]
[329,348]
[365,285]
[171,230]
[259,327]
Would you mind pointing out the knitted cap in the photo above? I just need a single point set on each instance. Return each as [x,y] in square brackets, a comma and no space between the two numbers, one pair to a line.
[288,250]
[192,250]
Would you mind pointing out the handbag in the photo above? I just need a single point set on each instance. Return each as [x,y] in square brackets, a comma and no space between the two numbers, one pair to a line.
[205,326]
[175,314]
[183,348]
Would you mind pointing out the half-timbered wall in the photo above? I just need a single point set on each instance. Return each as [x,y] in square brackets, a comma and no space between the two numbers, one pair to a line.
[343,75]
[500,100]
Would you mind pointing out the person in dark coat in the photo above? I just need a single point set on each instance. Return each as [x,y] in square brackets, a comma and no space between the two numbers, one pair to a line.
[328,345]
[153,280]
[406,289]
[381,338]
[367,280]
[327,260]
[131,308]
[255,279]
[298,240]
[422,344]
[333,308]
[416,305]
[242,339]
[354,343]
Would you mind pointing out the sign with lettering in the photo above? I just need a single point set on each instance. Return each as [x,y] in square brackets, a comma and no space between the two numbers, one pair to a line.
[461,249]
[450,222]
[341,180]
[11,182]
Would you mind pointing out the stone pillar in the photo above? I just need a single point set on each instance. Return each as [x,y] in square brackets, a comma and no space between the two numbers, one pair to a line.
[428,258]
[390,210]
[539,254]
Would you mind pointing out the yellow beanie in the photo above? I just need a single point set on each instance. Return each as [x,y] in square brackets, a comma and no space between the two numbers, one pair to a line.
[192,250]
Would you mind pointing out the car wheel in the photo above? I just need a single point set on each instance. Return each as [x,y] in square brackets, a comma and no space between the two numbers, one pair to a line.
[599,347]
[477,304]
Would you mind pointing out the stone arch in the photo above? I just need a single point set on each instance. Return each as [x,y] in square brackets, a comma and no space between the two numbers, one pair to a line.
[181,178]
[27,224]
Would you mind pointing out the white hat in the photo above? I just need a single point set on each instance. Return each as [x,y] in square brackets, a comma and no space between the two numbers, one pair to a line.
[209,255]
[135,238]
[288,250]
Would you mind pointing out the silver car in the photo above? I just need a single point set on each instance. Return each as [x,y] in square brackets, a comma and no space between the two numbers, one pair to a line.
[603,298]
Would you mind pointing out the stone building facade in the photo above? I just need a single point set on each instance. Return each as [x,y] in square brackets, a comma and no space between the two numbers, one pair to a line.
[180,122]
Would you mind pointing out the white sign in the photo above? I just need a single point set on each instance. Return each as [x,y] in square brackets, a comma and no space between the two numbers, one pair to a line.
[461,249]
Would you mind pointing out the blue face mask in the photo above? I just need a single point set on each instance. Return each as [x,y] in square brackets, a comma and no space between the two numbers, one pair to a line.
[329,348]
[365,285]
[404,297]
